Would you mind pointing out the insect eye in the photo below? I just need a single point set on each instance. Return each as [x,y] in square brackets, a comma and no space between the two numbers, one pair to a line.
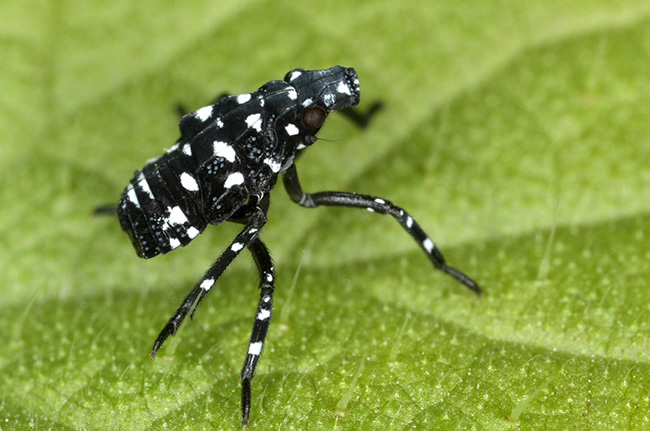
[314,117]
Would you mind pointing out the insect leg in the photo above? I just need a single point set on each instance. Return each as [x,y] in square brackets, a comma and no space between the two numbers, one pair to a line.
[105,210]
[359,118]
[379,205]
[261,325]
[192,300]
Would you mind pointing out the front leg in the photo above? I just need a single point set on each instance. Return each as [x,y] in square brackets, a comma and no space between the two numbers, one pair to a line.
[361,119]
[379,205]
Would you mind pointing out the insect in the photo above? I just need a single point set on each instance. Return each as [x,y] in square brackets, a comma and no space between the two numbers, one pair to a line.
[222,168]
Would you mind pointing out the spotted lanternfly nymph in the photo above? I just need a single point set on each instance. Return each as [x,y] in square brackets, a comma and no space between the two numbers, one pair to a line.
[222,168]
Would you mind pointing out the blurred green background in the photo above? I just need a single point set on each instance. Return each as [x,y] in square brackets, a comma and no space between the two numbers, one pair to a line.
[516,133]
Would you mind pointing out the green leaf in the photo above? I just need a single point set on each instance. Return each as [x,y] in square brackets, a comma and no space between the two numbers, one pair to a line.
[516,133]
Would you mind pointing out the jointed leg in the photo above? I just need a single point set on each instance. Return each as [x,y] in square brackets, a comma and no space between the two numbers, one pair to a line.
[261,325]
[359,118]
[106,210]
[192,300]
[374,204]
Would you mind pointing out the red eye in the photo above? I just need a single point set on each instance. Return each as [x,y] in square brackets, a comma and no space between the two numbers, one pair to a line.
[314,117]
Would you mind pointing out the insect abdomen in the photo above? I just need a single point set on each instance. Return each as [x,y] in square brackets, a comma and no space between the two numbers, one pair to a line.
[161,208]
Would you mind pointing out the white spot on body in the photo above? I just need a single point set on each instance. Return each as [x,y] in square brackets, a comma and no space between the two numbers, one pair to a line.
[237,246]
[343,88]
[176,216]
[204,113]
[409,222]
[307,102]
[234,179]
[144,185]
[222,149]
[428,245]
[187,149]
[294,75]
[243,98]
[292,94]
[174,243]
[275,166]
[291,129]
[131,196]
[255,348]
[301,146]
[263,314]
[207,284]
[219,123]
[328,99]
[173,148]
[253,121]
[189,183]
[192,232]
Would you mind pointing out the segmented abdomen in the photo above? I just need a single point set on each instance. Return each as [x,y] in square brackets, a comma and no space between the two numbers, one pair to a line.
[161,208]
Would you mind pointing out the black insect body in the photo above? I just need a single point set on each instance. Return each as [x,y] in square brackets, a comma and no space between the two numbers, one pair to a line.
[222,168]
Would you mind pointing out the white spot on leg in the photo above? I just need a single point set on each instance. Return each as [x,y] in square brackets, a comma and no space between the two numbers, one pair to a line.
[234,179]
[371,210]
[380,201]
[254,121]
[428,245]
[291,129]
[207,284]
[263,314]
[269,277]
[189,183]
[409,222]
[237,246]
[266,299]
[204,113]
[255,348]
